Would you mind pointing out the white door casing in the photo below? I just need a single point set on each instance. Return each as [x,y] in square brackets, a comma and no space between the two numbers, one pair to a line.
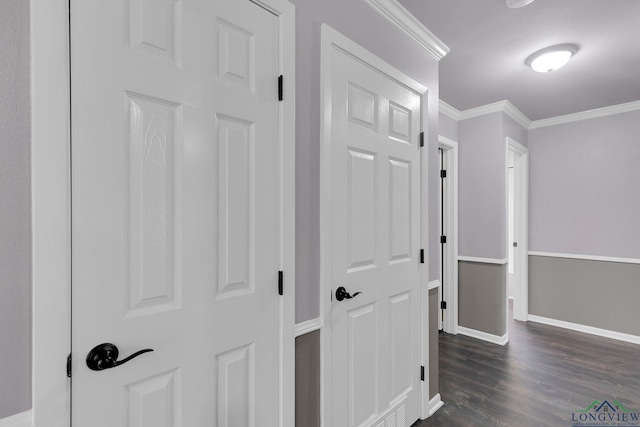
[373,232]
[182,203]
[449,287]
[519,278]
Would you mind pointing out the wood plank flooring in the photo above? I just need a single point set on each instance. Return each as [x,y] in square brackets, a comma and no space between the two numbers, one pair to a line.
[539,378]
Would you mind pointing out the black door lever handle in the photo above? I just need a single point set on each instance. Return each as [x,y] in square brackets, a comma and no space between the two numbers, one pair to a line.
[341,293]
[105,356]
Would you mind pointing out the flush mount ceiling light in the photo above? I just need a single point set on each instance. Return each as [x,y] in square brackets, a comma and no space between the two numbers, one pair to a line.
[517,3]
[551,58]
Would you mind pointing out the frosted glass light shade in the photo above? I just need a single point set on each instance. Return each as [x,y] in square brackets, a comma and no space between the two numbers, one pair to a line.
[551,58]
[513,4]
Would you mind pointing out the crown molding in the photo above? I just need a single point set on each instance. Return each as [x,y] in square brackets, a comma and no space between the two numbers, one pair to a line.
[510,110]
[586,115]
[449,111]
[399,16]
[517,115]
[498,107]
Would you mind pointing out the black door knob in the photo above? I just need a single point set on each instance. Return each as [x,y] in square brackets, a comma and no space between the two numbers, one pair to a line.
[341,293]
[105,356]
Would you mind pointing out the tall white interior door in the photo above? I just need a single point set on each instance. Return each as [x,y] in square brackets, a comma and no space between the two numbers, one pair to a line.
[517,196]
[176,212]
[512,243]
[375,247]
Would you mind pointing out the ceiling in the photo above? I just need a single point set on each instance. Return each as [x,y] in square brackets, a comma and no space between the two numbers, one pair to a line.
[489,43]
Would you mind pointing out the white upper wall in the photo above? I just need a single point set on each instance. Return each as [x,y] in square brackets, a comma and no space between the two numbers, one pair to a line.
[585,187]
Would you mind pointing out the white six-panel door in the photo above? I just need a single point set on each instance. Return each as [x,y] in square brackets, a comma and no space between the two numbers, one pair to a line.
[176,212]
[375,199]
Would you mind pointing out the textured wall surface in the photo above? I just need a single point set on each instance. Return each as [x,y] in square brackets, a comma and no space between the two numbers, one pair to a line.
[482,297]
[482,182]
[378,36]
[15,210]
[601,294]
[514,130]
[585,187]
[448,127]
[308,380]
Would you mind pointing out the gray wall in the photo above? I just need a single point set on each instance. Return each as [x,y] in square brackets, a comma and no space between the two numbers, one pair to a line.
[15,210]
[481,198]
[308,380]
[585,200]
[448,127]
[483,218]
[514,130]
[585,187]
[482,296]
[360,23]
[594,293]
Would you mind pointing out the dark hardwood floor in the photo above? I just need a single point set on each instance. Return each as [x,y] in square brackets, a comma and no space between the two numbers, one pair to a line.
[539,378]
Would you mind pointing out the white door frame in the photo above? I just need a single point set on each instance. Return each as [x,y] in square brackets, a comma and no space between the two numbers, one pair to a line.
[333,39]
[51,209]
[521,226]
[449,289]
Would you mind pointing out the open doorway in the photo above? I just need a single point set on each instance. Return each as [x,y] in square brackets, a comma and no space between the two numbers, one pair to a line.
[448,229]
[517,196]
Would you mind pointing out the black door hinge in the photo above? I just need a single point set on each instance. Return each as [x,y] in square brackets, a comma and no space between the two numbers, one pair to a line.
[280,87]
[421,256]
[421,139]
[280,283]
[69,366]
[443,239]
[443,173]
[443,305]
[421,373]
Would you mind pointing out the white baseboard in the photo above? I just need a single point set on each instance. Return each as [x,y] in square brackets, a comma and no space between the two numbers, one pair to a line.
[495,339]
[586,329]
[434,404]
[24,419]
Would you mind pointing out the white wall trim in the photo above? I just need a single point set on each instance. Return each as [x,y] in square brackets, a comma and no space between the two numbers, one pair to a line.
[308,326]
[51,207]
[505,107]
[23,419]
[510,110]
[521,226]
[586,115]
[449,290]
[483,260]
[586,257]
[399,16]
[434,404]
[586,329]
[494,339]
[434,284]
[449,111]
[446,143]
[517,115]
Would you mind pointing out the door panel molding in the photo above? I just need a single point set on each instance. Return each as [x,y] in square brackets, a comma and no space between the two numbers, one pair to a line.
[51,217]
[333,40]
